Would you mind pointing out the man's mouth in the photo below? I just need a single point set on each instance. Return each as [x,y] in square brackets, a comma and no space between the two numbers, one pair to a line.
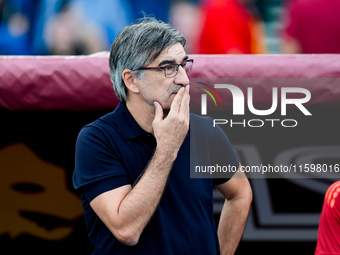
[175,92]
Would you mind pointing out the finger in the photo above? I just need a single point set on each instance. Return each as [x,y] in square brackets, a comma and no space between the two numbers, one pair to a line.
[184,105]
[177,101]
[158,111]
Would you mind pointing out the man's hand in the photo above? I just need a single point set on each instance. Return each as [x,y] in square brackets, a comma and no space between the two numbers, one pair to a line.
[171,130]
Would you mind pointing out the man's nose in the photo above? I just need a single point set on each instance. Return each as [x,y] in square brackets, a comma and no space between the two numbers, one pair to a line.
[181,78]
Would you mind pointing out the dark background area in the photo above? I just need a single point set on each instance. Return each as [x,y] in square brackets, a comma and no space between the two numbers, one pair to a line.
[52,135]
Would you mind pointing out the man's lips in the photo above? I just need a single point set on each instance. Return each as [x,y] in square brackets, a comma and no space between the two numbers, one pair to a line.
[176,90]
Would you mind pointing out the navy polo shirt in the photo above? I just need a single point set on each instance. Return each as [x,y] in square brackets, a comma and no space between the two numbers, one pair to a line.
[113,151]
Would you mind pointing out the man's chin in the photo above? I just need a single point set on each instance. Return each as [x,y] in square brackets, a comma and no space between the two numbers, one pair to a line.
[167,107]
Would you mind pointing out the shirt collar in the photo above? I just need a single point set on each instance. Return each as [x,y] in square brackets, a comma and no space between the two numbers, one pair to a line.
[127,125]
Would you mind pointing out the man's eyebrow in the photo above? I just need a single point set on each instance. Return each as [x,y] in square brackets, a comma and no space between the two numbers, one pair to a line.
[171,61]
[167,61]
[185,58]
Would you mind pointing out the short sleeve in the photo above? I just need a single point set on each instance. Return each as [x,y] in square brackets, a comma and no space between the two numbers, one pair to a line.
[98,165]
[211,151]
[223,154]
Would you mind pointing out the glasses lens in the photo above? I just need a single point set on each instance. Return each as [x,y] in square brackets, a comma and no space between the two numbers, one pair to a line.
[170,70]
[187,65]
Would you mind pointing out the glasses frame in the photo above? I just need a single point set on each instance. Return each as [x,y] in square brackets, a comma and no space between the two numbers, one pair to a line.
[176,67]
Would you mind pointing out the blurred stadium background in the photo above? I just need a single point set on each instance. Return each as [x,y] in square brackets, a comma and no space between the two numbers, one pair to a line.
[52,27]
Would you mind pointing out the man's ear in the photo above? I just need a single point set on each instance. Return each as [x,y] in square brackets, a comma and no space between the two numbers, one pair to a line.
[130,81]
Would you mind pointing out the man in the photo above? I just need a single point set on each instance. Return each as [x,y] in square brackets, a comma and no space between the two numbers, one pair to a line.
[329,227]
[132,165]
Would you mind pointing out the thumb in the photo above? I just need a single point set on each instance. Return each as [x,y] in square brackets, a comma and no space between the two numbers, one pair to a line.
[158,111]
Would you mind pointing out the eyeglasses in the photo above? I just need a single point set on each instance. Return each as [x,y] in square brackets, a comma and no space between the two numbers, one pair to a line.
[171,70]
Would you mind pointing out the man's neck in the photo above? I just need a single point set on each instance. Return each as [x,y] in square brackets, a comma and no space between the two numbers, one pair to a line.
[142,113]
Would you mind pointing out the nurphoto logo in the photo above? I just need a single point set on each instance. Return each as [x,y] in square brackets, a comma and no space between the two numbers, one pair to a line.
[290,96]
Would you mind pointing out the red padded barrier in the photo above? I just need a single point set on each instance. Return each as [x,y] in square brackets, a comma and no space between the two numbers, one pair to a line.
[83,83]
[56,83]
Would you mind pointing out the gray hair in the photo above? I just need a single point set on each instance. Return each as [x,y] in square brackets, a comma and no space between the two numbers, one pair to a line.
[137,46]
